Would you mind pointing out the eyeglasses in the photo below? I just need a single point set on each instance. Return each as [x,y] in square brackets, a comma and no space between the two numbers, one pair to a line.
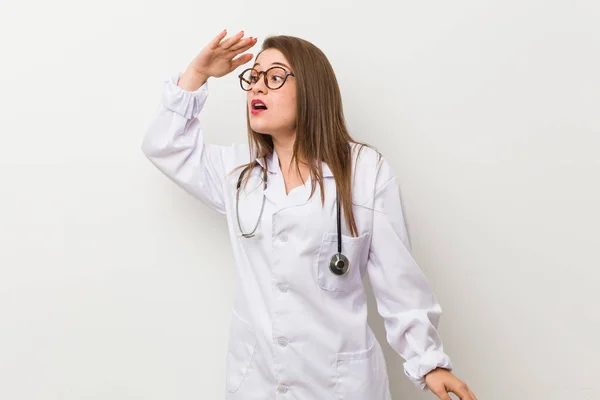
[274,77]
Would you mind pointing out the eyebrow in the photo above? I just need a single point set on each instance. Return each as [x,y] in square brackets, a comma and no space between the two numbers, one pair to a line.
[275,63]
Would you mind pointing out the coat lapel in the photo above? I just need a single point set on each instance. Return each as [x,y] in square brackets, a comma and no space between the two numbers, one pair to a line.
[276,187]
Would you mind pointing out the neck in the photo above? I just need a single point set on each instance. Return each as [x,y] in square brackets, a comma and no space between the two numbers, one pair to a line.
[285,150]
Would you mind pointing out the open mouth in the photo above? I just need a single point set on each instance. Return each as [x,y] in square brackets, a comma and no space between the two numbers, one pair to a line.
[257,106]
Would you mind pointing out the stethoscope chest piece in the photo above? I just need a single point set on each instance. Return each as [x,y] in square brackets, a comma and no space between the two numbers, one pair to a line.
[339,264]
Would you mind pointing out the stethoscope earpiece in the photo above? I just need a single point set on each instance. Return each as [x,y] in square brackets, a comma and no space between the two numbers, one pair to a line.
[339,264]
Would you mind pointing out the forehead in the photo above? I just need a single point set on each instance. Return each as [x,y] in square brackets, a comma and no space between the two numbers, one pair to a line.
[271,57]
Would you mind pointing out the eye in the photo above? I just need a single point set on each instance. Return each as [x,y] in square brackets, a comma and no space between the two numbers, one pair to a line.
[276,77]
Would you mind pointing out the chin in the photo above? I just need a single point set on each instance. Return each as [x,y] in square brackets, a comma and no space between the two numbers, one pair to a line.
[260,127]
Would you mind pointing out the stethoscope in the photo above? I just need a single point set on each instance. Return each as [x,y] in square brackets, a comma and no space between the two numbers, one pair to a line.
[339,263]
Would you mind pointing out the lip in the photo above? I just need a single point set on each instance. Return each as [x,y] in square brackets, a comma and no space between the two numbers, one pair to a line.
[253,110]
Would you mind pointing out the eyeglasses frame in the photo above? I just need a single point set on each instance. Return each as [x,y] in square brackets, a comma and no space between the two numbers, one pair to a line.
[264,73]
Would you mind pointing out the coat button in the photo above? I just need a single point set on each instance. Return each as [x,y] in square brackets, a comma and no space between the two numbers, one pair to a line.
[282,288]
[283,342]
[282,389]
[283,237]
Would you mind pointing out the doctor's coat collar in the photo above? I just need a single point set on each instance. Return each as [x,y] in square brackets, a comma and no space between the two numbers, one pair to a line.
[273,165]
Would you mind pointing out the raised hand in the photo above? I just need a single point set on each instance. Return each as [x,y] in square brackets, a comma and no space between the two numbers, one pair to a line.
[218,58]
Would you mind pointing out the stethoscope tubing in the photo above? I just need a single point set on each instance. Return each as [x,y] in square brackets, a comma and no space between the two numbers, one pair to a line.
[338,264]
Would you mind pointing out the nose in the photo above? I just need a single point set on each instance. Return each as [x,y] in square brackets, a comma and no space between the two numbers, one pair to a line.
[259,86]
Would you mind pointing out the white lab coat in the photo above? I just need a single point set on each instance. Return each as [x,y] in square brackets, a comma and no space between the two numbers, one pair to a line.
[297,330]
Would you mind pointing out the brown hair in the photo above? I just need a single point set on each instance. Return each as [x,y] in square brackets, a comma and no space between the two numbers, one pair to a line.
[321,133]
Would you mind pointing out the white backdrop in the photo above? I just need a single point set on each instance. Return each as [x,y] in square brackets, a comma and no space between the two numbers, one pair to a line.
[115,284]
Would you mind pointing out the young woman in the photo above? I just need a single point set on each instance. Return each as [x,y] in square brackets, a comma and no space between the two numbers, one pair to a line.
[310,212]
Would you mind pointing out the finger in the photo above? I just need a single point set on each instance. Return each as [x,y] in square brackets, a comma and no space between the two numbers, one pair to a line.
[462,391]
[215,42]
[243,44]
[241,60]
[443,396]
[441,393]
[472,395]
[232,40]
[241,50]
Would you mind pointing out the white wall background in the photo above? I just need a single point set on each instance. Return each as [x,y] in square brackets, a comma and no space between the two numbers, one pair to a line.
[115,284]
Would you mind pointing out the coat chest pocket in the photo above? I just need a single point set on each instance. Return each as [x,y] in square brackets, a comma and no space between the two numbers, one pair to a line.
[355,249]
[242,345]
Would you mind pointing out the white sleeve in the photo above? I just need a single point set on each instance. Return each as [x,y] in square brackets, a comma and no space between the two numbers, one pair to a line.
[174,143]
[403,295]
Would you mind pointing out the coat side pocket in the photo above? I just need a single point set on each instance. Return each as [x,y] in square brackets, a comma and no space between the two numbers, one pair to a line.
[362,375]
[242,345]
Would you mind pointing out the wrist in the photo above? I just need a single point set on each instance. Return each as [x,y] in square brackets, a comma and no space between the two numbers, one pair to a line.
[192,80]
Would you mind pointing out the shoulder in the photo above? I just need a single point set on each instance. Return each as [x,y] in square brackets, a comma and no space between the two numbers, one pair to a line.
[369,162]
[371,171]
